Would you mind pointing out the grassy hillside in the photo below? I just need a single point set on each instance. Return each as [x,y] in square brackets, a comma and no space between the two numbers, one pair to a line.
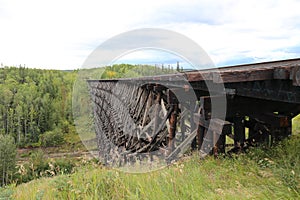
[259,174]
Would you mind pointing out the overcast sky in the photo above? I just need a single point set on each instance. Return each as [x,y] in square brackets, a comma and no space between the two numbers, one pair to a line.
[61,34]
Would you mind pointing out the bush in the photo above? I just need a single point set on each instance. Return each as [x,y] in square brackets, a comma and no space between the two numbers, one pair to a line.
[38,167]
[66,127]
[51,138]
[8,153]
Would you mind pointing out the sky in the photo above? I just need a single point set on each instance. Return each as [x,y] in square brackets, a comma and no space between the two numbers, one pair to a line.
[62,34]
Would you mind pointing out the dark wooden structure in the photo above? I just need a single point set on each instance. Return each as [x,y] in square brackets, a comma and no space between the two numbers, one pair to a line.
[145,114]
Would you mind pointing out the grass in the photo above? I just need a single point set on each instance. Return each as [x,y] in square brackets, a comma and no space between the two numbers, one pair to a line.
[260,174]
[296,125]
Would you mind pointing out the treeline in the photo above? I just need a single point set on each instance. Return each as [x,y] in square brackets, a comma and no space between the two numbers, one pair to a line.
[130,71]
[33,102]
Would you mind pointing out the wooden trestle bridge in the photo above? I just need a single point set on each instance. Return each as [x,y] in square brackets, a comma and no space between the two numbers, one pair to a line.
[168,114]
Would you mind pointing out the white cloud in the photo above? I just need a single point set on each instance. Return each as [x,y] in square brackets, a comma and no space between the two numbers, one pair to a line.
[61,34]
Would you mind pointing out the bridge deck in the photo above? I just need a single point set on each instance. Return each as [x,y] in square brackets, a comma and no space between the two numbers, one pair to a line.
[282,69]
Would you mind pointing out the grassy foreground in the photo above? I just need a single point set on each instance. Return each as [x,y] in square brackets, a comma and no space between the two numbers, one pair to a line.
[260,174]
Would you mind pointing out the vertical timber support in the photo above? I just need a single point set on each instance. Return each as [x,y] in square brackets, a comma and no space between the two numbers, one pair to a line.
[183,125]
[172,101]
[219,142]
[289,128]
[211,133]
[250,124]
[194,107]
[200,135]
[157,109]
[239,132]
[172,130]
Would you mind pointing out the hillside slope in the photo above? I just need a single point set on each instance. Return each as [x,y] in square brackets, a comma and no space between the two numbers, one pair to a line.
[260,174]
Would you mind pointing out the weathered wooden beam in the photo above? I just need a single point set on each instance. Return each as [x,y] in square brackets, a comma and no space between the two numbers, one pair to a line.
[274,90]
[243,73]
[239,132]
[200,135]
[252,106]
[156,113]
[171,97]
[182,147]
[244,76]
[220,142]
[173,124]
[215,124]
[282,73]
[274,120]
[295,75]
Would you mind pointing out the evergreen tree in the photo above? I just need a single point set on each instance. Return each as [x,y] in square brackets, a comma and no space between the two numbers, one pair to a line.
[7,158]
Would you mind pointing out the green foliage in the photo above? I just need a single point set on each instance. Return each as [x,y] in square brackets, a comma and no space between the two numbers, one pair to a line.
[52,138]
[34,101]
[36,159]
[131,71]
[7,158]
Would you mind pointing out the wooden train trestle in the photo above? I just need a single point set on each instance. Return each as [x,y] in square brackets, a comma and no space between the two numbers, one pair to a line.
[133,118]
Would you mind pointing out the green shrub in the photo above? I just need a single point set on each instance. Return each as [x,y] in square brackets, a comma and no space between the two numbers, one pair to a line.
[38,167]
[64,166]
[52,138]
[66,127]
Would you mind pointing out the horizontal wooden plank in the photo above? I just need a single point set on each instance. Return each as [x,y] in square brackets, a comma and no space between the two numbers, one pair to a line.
[243,76]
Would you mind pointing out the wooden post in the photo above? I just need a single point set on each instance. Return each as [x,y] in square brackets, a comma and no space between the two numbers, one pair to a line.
[173,102]
[207,144]
[156,112]
[183,125]
[172,130]
[200,135]
[288,130]
[239,132]
[194,108]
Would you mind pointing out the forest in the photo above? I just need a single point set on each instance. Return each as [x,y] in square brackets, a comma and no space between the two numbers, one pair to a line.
[34,102]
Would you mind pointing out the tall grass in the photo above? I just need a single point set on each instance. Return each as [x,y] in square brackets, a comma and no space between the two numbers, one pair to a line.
[260,174]
[271,174]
